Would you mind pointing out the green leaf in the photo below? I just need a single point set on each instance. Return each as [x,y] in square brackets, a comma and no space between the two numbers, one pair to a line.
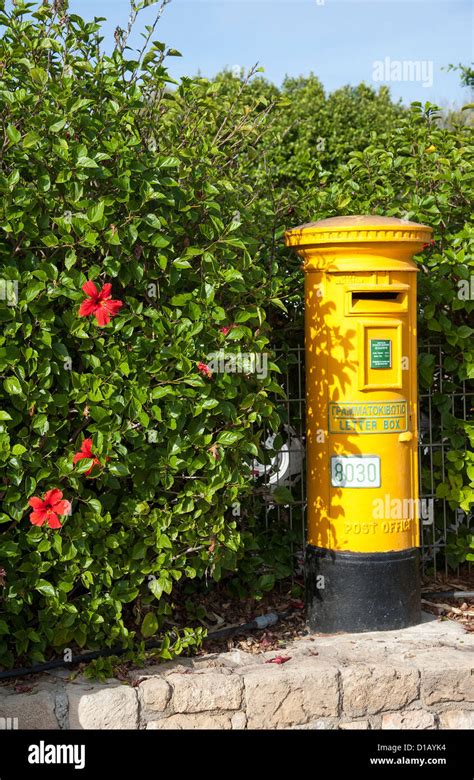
[39,76]
[13,134]
[83,465]
[8,549]
[95,505]
[40,424]
[57,126]
[71,259]
[180,263]
[32,291]
[96,212]
[44,182]
[282,495]
[163,541]
[169,162]
[86,162]
[266,582]
[426,366]
[12,386]
[160,392]
[98,414]
[149,625]
[45,588]
[229,437]
[31,139]
[156,587]
[118,469]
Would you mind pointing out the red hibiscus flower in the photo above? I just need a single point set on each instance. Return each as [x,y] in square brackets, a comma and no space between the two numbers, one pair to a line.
[99,303]
[226,329]
[86,452]
[204,369]
[47,509]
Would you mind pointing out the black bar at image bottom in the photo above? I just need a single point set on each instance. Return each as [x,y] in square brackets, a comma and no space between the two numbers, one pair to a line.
[84,753]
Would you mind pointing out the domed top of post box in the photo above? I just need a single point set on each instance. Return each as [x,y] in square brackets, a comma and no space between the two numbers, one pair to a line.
[359,243]
[357,228]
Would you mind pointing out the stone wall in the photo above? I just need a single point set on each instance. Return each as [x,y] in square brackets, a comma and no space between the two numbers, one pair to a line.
[420,678]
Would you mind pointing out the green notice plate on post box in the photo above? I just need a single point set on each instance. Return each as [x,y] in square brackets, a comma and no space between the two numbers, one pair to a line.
[380,353]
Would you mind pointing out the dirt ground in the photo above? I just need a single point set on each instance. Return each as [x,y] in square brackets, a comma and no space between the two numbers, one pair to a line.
[227,614]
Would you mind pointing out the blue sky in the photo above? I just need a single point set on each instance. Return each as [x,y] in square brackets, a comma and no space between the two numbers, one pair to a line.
[339,40]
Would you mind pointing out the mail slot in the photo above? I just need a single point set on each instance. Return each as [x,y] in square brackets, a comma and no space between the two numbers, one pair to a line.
[375,296]
[377,301]
[362,557]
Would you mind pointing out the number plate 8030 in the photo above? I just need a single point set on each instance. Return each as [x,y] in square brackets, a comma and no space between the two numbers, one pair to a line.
[355,471]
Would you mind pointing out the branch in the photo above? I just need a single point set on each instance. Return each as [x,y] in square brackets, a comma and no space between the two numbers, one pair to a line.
[122,36]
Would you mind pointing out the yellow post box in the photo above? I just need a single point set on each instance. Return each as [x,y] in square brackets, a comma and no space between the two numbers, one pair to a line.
[362,558]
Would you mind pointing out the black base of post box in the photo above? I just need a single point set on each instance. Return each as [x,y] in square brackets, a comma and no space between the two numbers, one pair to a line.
[351,592]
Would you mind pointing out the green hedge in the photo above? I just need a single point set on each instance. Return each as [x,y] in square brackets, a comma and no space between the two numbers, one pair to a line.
[116,188]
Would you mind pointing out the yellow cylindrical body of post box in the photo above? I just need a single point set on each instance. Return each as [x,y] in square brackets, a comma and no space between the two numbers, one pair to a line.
[362,432]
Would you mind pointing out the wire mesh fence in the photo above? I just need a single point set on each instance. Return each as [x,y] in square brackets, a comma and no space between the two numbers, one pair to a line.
[285,466]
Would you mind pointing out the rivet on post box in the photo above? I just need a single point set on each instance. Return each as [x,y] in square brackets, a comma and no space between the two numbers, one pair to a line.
[362,557]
